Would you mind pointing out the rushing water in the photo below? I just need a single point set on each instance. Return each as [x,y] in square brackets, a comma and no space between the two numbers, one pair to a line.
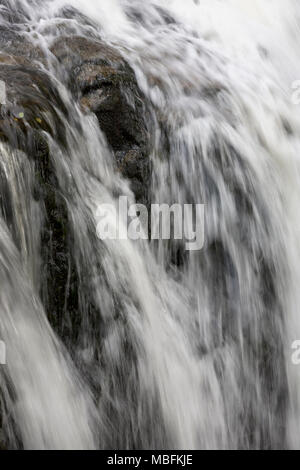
[175,349]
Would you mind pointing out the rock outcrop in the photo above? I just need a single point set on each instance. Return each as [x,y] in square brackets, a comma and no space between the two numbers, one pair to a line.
[106,85]
[100,79]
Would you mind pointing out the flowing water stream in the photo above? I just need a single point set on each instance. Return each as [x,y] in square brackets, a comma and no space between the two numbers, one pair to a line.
[174,349]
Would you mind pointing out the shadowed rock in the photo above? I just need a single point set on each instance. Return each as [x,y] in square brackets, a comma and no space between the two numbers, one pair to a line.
[106,85]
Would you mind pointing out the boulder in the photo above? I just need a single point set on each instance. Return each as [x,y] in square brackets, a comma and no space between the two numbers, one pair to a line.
[106,85]
[15,45]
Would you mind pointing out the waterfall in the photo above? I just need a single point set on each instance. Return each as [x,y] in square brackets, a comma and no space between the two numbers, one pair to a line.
[147,345]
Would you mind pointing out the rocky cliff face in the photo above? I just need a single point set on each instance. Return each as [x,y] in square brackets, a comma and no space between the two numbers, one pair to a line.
[106,85]
[102,83]
[100,80]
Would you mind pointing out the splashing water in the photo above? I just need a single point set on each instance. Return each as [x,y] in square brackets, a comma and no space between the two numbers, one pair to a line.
[175,349]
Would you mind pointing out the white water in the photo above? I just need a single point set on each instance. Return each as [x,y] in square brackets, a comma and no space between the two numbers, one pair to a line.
[210,342]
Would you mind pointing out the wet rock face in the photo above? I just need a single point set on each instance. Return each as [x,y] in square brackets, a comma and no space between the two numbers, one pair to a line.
[14,45]
[100,79]
[30,109]
[106,85]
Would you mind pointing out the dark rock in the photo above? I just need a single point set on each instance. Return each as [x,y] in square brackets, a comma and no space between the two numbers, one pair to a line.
[13,44]
[133,164]
[107,86]
[32,95]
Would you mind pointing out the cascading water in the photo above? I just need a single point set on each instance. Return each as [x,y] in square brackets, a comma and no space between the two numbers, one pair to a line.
[162,348]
